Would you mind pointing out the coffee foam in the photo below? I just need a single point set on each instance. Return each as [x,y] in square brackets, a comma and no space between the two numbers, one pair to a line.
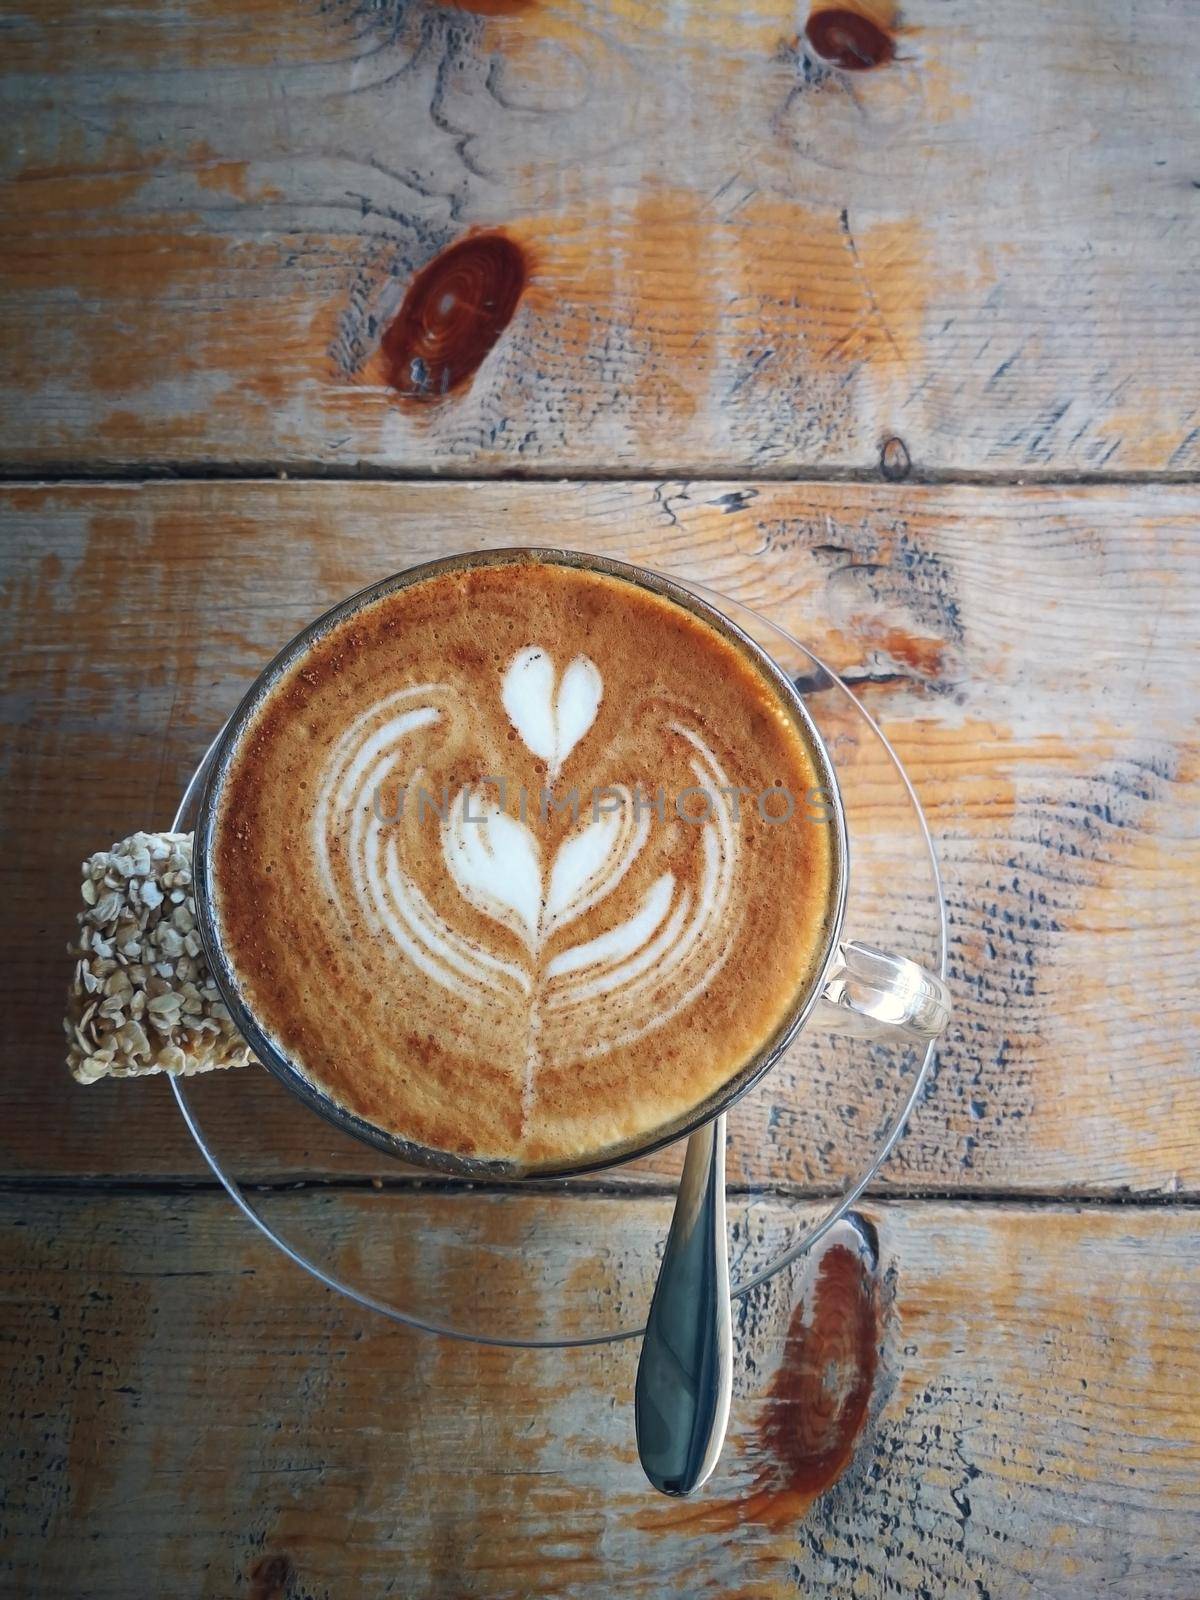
[494,975]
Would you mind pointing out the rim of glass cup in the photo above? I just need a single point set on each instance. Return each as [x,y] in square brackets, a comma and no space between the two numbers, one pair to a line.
[446,1163]
[836,1211]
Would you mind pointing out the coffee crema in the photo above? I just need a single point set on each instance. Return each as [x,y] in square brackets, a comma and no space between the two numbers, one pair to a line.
[523,861]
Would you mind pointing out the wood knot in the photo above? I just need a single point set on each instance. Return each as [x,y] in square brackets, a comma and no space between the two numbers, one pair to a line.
[819,1397]
[270,1577]
[849,40]
[455,310]
[894,460]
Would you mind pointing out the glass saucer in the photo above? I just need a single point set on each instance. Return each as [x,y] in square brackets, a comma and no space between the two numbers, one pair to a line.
[553,1263]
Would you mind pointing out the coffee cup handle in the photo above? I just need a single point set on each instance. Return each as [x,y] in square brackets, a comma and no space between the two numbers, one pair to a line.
[870,995]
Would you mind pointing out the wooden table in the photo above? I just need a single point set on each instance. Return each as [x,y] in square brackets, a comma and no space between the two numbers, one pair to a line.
[887,324]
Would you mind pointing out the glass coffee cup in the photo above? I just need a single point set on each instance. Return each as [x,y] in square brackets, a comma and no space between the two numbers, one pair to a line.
[851,988]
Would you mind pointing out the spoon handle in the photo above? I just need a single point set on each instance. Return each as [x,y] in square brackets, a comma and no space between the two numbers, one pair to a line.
[685,1374]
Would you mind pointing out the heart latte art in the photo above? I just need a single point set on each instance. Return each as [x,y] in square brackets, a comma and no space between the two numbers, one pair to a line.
[521,862]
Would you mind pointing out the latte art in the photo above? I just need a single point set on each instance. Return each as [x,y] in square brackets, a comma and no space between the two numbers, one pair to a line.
[454,889]
[648,964]
[551,716]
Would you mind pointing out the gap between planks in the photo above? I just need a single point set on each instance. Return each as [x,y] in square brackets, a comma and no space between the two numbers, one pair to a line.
[50,474]
[1064,1199]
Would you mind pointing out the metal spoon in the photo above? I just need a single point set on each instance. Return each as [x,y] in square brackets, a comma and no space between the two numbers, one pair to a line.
[685,1372]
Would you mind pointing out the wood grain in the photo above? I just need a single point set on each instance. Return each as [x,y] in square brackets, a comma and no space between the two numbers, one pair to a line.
[186,1414]
[743,260]
[1030,652]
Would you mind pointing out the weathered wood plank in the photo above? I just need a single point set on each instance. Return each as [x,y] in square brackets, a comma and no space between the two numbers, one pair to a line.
[1031,653]
[187,1414]
[740,258]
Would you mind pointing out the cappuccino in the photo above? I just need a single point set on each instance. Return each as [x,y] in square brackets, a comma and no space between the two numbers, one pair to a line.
[522,861]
